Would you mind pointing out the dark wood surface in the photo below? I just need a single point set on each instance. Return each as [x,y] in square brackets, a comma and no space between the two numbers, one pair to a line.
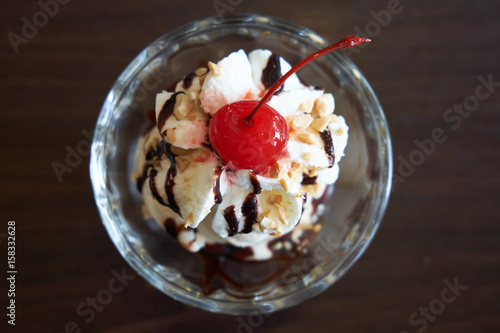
[442,222]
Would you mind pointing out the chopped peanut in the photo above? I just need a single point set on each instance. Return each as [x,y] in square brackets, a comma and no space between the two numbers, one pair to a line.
[296,166]
[214,68]
[183,106]
[281,211]
[290,120]
[269,224]
[286,183]
[320,124]
[295,171]
[272,199]
[171,135]
[276,170]
[306,137]
[201,71]
[306,106]
[323,105]
[302,122]
[315,189]
[182,164]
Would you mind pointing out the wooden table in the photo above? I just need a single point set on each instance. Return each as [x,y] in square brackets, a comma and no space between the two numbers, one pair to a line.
[427,62]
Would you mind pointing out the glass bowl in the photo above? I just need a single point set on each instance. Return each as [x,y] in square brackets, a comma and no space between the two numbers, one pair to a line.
[352,214]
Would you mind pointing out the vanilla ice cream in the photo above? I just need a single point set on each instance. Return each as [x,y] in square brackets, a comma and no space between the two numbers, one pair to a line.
[192,194]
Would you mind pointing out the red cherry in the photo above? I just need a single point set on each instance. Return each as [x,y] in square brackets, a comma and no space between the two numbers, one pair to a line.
[247,139]
[254,146]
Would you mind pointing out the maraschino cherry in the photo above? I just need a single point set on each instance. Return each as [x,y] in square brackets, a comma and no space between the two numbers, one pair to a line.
[247,139]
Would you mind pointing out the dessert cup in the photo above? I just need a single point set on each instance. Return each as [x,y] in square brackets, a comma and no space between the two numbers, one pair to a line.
[351,215]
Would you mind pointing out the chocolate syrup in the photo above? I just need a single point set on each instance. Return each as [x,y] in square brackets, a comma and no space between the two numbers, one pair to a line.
[188,80]
[170,180]
[226,267]
[215,262]
[217,194]
[250,210]
[231,268]
[171,227]
[151,115]
[151,154]
[142,178]
[257,189]
[152,186]
[164,148]
[326,136]
[155,153]
[167,110]
[272,72]
[217,276]
[232,220]
[306,180]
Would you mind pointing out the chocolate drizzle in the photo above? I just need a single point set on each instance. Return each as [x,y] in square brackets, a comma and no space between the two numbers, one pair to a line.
[150,116]
[188,80]
[140,181]
[250,210]
[272,72]
[215,273]
[151,154]
[306,180]
[171,227]
[232,269]
[326,136]
[164,148]
[257,189]
[232,220]
[166,111]
[217,194]
[152,186]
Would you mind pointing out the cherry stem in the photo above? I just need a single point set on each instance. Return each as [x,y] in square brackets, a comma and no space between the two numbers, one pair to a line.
[348,41]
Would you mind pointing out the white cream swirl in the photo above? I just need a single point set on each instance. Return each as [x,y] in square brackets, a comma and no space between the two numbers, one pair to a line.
[184,182]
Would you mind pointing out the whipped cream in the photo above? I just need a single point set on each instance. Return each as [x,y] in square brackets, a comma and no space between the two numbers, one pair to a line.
[191,193]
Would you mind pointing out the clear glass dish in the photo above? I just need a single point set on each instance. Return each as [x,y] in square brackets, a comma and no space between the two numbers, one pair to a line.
[352,214]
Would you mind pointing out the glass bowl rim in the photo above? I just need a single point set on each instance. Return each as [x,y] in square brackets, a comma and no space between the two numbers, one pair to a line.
[97,172]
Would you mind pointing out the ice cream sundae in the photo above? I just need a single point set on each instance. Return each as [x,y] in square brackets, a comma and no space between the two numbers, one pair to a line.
[242,156]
